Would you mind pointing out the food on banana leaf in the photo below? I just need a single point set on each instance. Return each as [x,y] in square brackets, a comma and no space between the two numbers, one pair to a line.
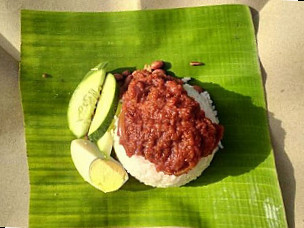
[96,168]
[105,110]
[167,132]
[91,113]
[83,101]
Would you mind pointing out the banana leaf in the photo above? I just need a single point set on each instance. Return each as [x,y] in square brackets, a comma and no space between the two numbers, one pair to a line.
[239,189]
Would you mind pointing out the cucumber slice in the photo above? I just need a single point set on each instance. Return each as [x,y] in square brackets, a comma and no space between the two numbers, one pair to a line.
[105,110]
[105,143]
[83,101]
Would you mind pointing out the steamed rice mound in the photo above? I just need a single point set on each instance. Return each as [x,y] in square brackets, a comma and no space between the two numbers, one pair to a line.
[145,171]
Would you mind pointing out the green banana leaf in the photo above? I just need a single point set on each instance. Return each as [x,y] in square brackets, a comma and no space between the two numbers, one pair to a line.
[239,189]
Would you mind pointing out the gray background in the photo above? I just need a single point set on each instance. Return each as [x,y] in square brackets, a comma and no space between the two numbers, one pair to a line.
[280,35]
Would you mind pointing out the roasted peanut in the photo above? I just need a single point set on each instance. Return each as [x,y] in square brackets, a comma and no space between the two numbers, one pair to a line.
[157,65]
[198,88]
[124,86]
[159,71]
[128,80]
[126,73]
[118,76]
[195,63]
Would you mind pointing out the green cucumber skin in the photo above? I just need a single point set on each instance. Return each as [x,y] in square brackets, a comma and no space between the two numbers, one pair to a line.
[104,126]
[89,96]
[100,66]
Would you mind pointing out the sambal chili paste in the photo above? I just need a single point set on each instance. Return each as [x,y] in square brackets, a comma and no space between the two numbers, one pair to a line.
[160,122]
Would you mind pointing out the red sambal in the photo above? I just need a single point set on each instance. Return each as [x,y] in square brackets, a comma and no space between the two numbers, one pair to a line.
[160,122]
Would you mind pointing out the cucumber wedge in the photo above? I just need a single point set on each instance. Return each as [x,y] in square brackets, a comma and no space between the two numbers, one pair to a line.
[105,110]
[107,175]
[83,153]
[105,143]
[83,101]
[102,172]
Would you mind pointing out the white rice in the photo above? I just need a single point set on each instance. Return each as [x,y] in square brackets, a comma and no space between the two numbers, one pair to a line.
[186,79]
[145,171]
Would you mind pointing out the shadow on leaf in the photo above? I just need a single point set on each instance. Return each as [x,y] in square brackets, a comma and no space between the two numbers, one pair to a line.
[246,139]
